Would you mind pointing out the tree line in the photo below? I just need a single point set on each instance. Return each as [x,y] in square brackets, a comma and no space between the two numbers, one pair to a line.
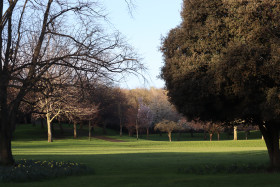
[133,111]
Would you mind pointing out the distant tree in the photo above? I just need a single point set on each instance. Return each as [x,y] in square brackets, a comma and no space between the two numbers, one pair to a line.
[247,128]
[221,64]
[182,126]
[79,106]
[49,104]
[166,126]
[213,128]
[142,93]
[131,121]
[122,107]
[112,105]
[80,111]
[145,117]
[219,129]
[161,107]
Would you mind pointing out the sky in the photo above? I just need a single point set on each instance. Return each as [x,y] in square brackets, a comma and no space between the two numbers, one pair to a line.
[150,20]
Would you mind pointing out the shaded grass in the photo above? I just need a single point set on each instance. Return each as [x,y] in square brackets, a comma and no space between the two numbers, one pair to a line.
[32,170]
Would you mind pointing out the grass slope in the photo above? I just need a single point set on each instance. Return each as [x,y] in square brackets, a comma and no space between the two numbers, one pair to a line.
[146,162]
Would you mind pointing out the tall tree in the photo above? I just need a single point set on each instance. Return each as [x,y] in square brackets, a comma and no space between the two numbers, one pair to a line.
[36,35]
[222,64]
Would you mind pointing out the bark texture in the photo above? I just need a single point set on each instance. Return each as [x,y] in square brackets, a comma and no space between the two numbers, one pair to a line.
[270,133]
[6,157]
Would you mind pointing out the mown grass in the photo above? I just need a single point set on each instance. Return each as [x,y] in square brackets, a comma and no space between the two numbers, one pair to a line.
[147,162]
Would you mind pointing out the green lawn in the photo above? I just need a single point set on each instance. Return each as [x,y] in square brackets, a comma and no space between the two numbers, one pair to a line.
[145,162]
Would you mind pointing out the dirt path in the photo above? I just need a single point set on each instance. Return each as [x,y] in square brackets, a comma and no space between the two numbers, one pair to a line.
[108,139]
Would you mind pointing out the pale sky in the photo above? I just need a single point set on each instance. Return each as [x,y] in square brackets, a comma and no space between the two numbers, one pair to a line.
[151,20]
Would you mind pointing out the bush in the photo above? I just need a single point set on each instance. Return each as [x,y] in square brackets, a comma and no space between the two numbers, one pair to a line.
[31,170]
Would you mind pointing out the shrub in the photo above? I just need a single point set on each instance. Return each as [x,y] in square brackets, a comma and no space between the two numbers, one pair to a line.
[31,170]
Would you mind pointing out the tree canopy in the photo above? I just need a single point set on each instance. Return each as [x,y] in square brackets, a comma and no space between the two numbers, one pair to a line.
[222,64]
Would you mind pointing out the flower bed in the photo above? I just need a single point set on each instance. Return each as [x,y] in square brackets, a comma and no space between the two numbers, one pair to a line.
[31,170]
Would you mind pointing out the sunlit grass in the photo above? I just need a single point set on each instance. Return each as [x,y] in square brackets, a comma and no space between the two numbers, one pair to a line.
[84,147]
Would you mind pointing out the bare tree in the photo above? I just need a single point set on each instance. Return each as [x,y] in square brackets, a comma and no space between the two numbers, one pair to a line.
[122,107]
[49,104]
[161,107]
[131,120]
[182,126]
[37,35]
[79,107]
[144,117]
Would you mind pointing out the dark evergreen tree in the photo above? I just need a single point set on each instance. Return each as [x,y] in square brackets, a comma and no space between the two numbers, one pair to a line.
[223,63]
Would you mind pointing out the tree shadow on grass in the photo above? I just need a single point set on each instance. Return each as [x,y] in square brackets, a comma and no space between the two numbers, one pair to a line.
[154,162]
[158,169]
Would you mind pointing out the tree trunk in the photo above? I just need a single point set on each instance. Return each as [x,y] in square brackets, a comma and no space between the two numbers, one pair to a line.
[246,135]
[120,117]
[211,136]
[271,136]
[89,130]
[205,136]
[147,132]
[7,124]
[218,134]
[50,138]
[235,133]
[169,136]
[121,130]
[137,133]
[6,157]
[75,130]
